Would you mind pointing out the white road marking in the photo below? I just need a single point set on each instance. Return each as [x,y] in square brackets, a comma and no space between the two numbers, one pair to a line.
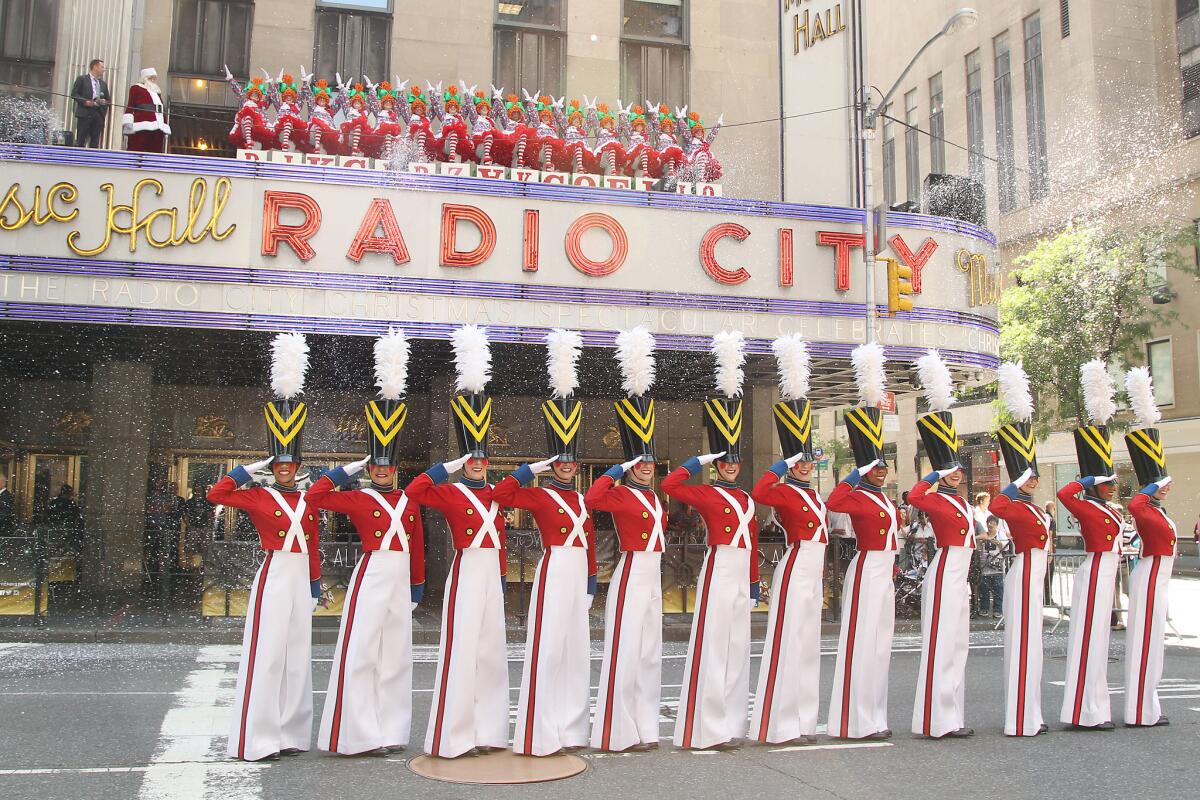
[72,771]
[844,746]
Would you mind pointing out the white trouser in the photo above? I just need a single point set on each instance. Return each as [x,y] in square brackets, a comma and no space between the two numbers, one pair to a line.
[716,675]
[552,712]
[858,702]
[1085,696]
[470,692]
[1144,638]
[273,707]
[1023,596]
[627,701]
[789,678]
[369,702]
[940,705]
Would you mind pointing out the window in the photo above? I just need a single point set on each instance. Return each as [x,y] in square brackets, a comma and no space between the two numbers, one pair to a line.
[975,116]
[1002,89]
[353,43]
[1189,67]
[530,46]
[1035,109]
[1162,369]
[27,32]
[889,159]
[654,54]
[937,126]
[208,34]
[1064,17]
[1184,8]
[912,149]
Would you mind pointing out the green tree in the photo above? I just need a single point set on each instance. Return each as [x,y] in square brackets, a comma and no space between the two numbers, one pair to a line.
[1085,294]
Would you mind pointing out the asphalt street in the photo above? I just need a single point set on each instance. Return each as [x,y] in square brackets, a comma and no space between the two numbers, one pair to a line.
[149,721]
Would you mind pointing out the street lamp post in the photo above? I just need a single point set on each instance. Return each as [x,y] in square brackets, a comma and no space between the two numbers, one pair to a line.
[960,20]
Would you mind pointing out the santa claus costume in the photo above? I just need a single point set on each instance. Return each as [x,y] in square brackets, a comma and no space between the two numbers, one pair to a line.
[144,122]
[250,124]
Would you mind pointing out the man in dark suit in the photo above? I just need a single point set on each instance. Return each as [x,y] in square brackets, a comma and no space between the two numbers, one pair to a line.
[92,100]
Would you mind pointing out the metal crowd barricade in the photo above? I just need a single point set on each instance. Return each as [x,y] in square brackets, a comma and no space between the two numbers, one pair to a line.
[24,573]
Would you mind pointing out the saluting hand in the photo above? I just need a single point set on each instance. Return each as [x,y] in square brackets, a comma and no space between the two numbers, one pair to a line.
[708,458]
[454,466]
[257,465]
[538,467]
[355,467]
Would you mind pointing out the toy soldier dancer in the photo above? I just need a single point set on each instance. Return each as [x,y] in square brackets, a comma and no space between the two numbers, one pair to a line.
[785,704]
[552,713]
[1148,582]
[470,693]
[1029,528]
[273,700]
[1085,696]
[368,707]
[858,702]
[627,700]
[716,675]
[940,706]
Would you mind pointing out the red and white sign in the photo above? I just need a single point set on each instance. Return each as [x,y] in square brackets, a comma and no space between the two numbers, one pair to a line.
[888,404]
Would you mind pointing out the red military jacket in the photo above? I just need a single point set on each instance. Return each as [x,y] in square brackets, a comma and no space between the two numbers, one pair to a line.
[949,514]
[553,520]
[641,523]
[1028,525]
[729,523]
[272,522]
[468,529]
[1154,527]
[875,517]
[374,523]
[1099,524]
[799,508]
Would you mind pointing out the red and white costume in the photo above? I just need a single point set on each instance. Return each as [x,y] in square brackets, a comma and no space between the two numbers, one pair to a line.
[356,125]
[940,705]
[322,132]
[789,678]
[627,701]
[273,700]
[369,701]
[610,152]
[1147,609]
[640,156]
[250,124]
[858,702]
[552,712]
[1085,697]
[1024,585]
[484,131]
[716,677]
[470,693]
[144,122]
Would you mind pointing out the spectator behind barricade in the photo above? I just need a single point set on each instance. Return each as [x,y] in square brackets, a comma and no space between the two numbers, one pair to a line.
[8,514]
[981,515]
[66,521]
[92,101]
[991,569]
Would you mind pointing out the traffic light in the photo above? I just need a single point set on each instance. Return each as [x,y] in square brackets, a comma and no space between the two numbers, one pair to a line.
[900,288]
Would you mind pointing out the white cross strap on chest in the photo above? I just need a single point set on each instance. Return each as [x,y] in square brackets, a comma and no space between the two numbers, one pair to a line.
[295,531]
[816,502]
[741,537]
[890,510]
[961,506]
[486,530]
[1041,516]
[655,511]
[395,529]
[578,535]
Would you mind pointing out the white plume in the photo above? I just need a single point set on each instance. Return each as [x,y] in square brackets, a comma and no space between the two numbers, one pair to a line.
[1098,389]
[472,358]
[391,364]
[1140,386]
[562,354]
[635,352]
[1014,391]
[729,348]
[794,363]
[936,383]
[289,362]
[868,362]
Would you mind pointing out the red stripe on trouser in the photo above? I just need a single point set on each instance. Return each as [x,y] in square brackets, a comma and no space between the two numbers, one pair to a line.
[933,636]
[627,563]
[698,651]
[1147,626]
[336,727]
[776,639]
[1087,638]
[850,647]
[534,653]
[1024,660]
[441,702]
[258,599]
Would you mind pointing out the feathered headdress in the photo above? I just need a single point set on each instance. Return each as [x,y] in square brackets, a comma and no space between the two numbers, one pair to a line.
[868,360]
[1098,389]
[472,358]
[1140,386]
[391,364]
[794,364]
[635,354]
[729,348]
[1014,391]
[936,383]
[289,362]
[562,355]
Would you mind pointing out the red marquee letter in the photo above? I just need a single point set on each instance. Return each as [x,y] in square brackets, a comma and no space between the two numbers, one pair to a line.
[786,257]
[529,262]
[294,236]
[451,256]
[842,243]
[708,259]
[620,245]
[918,261]
[392,241]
